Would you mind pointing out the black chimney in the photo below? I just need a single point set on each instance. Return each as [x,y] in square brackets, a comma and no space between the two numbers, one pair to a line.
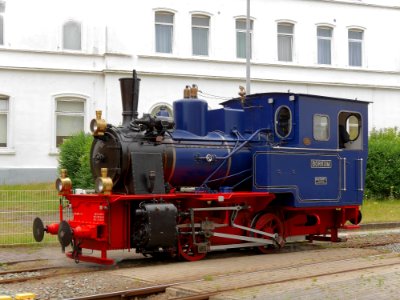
[130,98]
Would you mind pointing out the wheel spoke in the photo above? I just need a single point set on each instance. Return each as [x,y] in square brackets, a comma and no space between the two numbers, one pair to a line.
[269,223]
[188,249]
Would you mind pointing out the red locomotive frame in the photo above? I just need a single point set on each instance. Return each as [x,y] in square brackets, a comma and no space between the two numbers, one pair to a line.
[102,222]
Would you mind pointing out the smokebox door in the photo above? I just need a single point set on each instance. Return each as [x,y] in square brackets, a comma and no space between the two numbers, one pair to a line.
[147,173]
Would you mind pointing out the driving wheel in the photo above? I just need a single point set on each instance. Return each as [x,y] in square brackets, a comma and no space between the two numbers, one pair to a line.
[187,246]
[270,223]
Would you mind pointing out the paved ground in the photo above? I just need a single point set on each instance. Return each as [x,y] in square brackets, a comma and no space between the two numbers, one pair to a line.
[310,281]
[378,284]
[297,275]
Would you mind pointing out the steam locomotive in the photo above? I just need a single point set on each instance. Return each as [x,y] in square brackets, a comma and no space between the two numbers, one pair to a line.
[258,171]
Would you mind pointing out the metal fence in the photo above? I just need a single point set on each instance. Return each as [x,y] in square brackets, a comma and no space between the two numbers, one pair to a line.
[18,209]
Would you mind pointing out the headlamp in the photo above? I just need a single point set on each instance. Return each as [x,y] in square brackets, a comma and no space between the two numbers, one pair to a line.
[98,126]
[103,184]
[63,183]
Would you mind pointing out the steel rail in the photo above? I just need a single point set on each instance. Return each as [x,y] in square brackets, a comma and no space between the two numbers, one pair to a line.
[2,273]
[127,294]
[35,277]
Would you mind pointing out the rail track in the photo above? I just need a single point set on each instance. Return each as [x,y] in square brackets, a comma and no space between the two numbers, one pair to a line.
[144,292]
[22,275]
[8,276]
[35,275]
[43,272]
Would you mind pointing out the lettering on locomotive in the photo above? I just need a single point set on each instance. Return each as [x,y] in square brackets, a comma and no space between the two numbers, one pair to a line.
[317,164]
[321,180]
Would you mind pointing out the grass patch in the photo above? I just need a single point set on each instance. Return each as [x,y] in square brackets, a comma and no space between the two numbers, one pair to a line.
[45,186]
[208,278]
[28,201]
[25,238]
[20,204]
[381,211]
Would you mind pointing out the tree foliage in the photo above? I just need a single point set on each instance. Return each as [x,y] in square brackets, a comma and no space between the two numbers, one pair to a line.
[75,157]
[383,166]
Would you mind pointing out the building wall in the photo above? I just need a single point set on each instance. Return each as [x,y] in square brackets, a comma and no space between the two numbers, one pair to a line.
[376,81]
[118,37]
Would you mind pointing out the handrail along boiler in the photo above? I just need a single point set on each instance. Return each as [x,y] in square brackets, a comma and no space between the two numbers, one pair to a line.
[253,173]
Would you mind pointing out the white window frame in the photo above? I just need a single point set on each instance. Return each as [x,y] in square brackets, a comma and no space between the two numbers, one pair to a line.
[165,11]
[2,28]
[359,29]
[81,35]
[2,16]
[292,35]
[205,16]
[73,98]
[9,149]
[331,28]
[243,18]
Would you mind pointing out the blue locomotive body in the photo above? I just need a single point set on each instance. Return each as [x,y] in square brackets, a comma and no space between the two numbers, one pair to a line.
[311,150]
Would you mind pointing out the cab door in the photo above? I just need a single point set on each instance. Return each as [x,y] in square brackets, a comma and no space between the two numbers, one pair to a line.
[350,142]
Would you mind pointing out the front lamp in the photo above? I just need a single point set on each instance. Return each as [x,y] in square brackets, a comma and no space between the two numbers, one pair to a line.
[103,184]
[98,126]
[63,183]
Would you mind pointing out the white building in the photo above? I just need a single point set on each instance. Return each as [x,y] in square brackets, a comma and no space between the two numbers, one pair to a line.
[61,60]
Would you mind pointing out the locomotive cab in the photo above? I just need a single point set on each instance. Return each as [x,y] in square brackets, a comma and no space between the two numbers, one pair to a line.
[320,156]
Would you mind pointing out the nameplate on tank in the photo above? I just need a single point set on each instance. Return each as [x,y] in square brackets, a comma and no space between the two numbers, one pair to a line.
[318,163]
[321,180]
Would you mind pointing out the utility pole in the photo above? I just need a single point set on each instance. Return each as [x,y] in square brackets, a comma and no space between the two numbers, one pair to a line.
[248,48]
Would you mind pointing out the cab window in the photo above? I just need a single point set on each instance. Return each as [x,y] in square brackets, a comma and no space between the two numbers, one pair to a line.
[353,127]
[283,121]
[349,131]
[321,127]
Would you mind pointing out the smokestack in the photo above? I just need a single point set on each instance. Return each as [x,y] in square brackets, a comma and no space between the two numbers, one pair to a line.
[130,98]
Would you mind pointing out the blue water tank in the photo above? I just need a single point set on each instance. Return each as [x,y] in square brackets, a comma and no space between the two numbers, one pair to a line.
[190,114]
